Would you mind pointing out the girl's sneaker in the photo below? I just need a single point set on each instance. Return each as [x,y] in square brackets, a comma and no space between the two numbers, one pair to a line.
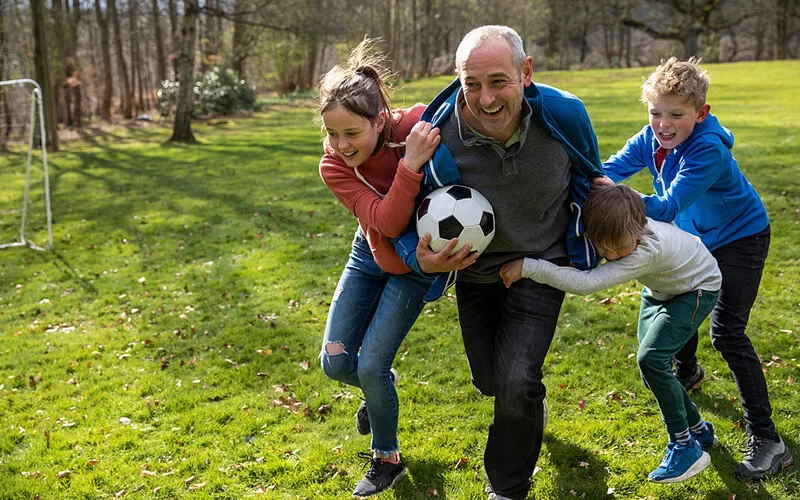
[681,462]
[381,475]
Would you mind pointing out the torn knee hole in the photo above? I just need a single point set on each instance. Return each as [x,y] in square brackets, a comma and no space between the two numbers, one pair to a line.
[334,348]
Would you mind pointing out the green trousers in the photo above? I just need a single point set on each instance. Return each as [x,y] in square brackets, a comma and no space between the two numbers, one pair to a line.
[664,327]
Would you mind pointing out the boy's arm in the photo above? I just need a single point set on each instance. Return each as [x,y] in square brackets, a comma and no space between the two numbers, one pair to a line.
[579,282]
[700,169]
[633,157]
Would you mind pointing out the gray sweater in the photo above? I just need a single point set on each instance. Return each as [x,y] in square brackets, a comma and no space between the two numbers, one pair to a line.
[527,184]
[667,260]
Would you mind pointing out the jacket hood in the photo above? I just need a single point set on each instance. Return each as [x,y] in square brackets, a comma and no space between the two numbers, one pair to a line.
[711,125]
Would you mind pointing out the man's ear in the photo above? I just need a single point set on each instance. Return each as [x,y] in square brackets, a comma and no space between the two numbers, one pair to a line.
[702,113]
[527,71]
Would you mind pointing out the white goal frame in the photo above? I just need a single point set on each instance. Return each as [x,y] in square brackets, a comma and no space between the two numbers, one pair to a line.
[37,111]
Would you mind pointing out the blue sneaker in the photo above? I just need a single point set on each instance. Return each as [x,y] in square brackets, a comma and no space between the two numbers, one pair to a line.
[707,438]
[680,462]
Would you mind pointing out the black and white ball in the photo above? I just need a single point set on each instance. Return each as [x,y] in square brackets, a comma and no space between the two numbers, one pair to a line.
[456,212]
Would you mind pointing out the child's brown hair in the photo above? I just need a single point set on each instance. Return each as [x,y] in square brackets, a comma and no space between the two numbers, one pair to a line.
[680,78]
[359,86]
[614,216]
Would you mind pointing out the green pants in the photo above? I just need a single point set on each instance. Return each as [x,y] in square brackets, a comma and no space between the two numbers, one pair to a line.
[664,327]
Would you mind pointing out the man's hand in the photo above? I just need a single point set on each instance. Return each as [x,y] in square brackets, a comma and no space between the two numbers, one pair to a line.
[599,182]
[444,260]
[511,272]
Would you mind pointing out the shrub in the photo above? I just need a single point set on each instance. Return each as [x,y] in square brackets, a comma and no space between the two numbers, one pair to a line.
[220,91]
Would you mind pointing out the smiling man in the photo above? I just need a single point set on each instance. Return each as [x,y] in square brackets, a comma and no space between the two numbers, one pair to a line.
[531,150]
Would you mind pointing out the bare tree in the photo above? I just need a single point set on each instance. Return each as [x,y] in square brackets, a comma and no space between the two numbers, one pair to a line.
[105,49]
[161,62]
[686,20]
[42,67]
[126,95]
[182,130]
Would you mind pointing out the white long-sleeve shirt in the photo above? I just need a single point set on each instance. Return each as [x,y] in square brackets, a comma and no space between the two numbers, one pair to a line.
[667,260]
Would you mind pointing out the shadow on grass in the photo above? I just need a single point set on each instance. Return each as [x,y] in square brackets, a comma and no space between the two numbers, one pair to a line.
[425,476]
[565,458]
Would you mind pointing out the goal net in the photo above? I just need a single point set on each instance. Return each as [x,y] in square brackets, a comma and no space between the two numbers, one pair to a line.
[25,218]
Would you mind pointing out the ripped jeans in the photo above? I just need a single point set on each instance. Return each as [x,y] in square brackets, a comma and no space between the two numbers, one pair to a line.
[371,313]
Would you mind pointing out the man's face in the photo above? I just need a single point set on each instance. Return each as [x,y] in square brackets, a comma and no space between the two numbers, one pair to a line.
[494,88]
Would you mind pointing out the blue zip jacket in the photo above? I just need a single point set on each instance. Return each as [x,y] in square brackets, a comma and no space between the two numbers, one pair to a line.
[699,186]
[565,118]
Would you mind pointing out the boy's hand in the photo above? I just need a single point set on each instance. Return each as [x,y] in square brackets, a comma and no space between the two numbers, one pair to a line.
[420,144]
[444,260]
[511,272]
[599,182]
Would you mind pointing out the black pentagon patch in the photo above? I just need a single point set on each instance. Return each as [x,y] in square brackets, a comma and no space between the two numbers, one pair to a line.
[487,222]
[459,192]
[450,228]
[423,207]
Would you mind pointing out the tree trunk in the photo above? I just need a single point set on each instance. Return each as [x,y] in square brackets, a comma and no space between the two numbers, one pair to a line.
[161,62]
[174,37]
[241,34]
[3,94]
[105,48]
[73,68]
[126,97]
[42,67]
[182,131]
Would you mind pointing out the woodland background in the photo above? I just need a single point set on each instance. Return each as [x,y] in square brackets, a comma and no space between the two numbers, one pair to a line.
[106,59]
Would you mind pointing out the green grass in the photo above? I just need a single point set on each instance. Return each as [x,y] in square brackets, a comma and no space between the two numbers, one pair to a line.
[167,346]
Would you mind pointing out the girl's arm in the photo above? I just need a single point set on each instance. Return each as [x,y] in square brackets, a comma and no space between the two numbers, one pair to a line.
[389,214]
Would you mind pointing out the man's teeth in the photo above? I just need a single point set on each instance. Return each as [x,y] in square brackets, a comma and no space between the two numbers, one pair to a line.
[350,154]
[493,110]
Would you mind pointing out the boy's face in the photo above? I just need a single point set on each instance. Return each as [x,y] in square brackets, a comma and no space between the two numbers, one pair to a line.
[673,118]
[622,250]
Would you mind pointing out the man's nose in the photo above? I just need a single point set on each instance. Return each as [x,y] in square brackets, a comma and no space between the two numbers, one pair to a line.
[487,96]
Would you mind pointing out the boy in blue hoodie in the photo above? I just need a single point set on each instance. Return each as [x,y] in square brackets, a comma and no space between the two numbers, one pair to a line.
[699,186]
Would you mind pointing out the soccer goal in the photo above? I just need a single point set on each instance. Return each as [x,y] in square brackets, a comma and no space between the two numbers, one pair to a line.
[25,217]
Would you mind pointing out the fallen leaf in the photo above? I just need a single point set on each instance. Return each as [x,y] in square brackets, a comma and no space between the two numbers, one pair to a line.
[582,405]
[92,463]
[64,473]
[462,462]
[583,465]
[324,409]
[188,480]
[305,365]
[790,380]
[432,492]
[264,352]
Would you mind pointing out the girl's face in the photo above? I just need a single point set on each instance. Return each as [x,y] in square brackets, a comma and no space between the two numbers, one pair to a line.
[352,136]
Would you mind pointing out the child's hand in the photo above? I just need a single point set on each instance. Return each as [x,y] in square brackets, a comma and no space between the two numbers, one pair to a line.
[511,272]
[599,182]
[420,144]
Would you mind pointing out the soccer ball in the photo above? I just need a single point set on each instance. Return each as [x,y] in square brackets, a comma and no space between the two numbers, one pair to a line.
[456,212]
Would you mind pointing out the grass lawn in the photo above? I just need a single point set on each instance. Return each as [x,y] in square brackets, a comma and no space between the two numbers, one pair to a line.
[167,347]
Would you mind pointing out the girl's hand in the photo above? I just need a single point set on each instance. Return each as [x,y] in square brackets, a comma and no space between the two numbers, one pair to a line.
[420,144]
[511,272]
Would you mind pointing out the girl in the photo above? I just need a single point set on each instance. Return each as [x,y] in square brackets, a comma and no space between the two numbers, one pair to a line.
[377,298]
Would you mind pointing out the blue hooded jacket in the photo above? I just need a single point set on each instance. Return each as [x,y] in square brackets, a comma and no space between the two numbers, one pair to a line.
[565,118]
[699,185]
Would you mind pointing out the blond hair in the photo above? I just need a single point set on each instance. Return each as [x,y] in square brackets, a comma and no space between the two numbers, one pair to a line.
[614,216]
[677,78]
[360,86]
